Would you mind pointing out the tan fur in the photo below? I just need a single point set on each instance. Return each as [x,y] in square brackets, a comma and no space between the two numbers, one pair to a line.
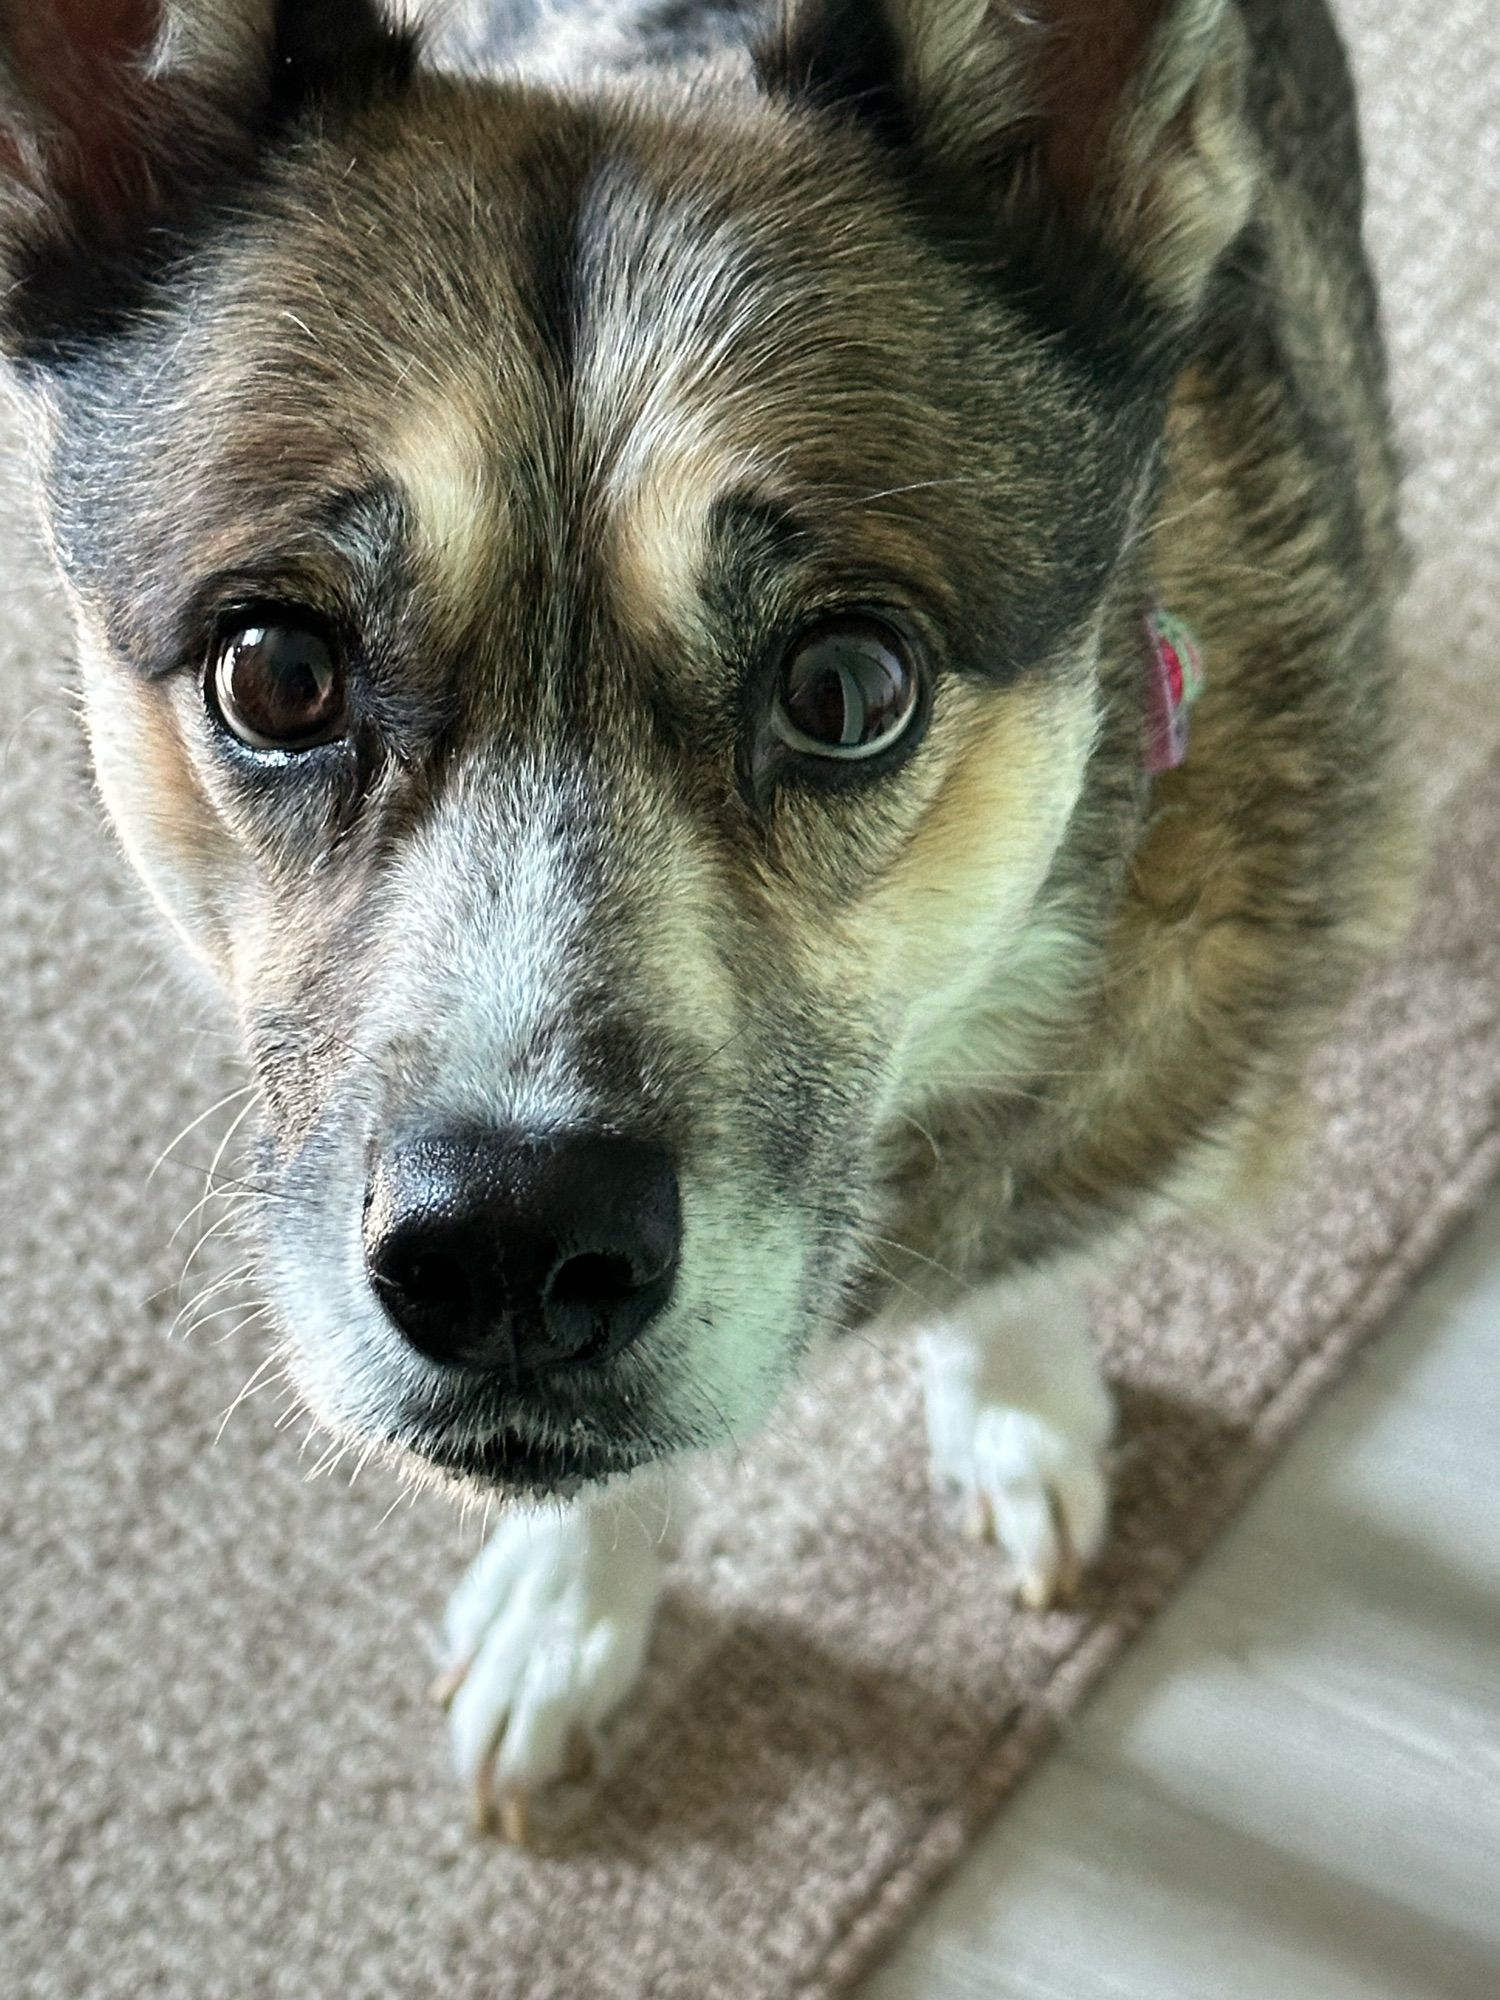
[656,505]
[442,455]
[945,922]
[169,830]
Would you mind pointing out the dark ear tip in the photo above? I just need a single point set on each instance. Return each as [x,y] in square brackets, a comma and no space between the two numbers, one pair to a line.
[839,56]
[122,176]
[341,48]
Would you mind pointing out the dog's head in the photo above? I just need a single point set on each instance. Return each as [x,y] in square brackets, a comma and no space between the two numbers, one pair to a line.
[590,602]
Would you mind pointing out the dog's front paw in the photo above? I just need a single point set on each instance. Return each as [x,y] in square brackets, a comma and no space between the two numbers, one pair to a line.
[1018,1422]
[544,1639]
[1037,1490]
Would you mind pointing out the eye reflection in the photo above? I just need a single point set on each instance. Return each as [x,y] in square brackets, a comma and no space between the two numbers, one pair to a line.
[848,690]
[280,686]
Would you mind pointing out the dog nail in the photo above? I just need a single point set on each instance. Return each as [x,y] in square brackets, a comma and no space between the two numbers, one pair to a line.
[447,1684]
[1036,1592]
[1068,1580]
[515,1818]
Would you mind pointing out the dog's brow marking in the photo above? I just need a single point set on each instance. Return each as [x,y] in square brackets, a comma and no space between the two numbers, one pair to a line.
[662,509]
[438,456]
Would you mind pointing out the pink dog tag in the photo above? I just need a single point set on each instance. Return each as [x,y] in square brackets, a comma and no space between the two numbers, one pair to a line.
[1174,683]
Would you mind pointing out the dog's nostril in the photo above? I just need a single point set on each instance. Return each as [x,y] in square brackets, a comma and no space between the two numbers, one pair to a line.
[587,1295]
[591,1280]
[435,1284]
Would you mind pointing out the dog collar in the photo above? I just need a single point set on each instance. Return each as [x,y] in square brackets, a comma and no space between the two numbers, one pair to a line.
[1174,681]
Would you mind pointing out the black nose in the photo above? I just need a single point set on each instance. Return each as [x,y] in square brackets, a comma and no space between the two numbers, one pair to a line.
[515,1253]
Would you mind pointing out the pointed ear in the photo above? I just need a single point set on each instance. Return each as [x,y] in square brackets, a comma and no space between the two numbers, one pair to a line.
[1121,118]
[117,115]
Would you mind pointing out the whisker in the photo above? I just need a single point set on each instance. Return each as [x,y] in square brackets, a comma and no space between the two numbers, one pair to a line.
[253,1387]
[244,1090]
[890,1277]
[907,1250]
[409,1496]
[918,1127]
[894,492]
[329,1462]
[225,1222]
[235,1277]
[258,1316]
[254,1307]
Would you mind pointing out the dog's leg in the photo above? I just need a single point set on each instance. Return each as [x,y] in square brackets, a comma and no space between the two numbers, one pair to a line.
[1018,1420]
[545,1637]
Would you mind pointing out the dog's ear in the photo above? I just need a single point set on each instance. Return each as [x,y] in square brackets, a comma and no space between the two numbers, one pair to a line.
[1122,118]
[118,117]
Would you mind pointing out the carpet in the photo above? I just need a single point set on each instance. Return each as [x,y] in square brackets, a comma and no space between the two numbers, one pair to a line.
[220,1776]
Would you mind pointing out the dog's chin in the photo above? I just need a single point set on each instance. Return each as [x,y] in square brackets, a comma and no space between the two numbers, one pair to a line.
[518,1465]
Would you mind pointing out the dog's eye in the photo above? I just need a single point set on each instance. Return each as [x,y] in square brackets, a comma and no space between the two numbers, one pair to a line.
[279,686]
[848,690]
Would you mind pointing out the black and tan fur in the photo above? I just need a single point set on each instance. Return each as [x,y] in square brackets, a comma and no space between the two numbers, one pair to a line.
[567,384]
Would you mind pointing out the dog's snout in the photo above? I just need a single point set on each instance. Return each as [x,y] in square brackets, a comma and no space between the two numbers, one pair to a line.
[515,1253]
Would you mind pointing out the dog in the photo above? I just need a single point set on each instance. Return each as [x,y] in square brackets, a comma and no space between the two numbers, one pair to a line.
[752,641]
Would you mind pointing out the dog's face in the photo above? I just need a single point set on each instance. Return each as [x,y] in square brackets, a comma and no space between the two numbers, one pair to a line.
[590,615]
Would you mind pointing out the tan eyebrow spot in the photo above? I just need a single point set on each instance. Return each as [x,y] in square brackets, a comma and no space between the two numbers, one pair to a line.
[658,502]
[441,456]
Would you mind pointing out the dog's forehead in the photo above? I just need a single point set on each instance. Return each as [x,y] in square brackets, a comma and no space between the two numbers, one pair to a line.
[565,337]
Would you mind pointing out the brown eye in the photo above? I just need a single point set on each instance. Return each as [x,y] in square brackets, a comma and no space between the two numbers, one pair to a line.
[280,687]
[848,690]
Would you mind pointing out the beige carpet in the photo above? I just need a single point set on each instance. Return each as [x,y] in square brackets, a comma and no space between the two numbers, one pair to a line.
[219,1775]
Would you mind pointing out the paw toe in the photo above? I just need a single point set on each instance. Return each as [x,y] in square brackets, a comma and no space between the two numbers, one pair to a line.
[1045,1495]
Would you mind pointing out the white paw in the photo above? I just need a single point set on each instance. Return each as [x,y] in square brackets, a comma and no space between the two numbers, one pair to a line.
[1019,1421]
[543,1640]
